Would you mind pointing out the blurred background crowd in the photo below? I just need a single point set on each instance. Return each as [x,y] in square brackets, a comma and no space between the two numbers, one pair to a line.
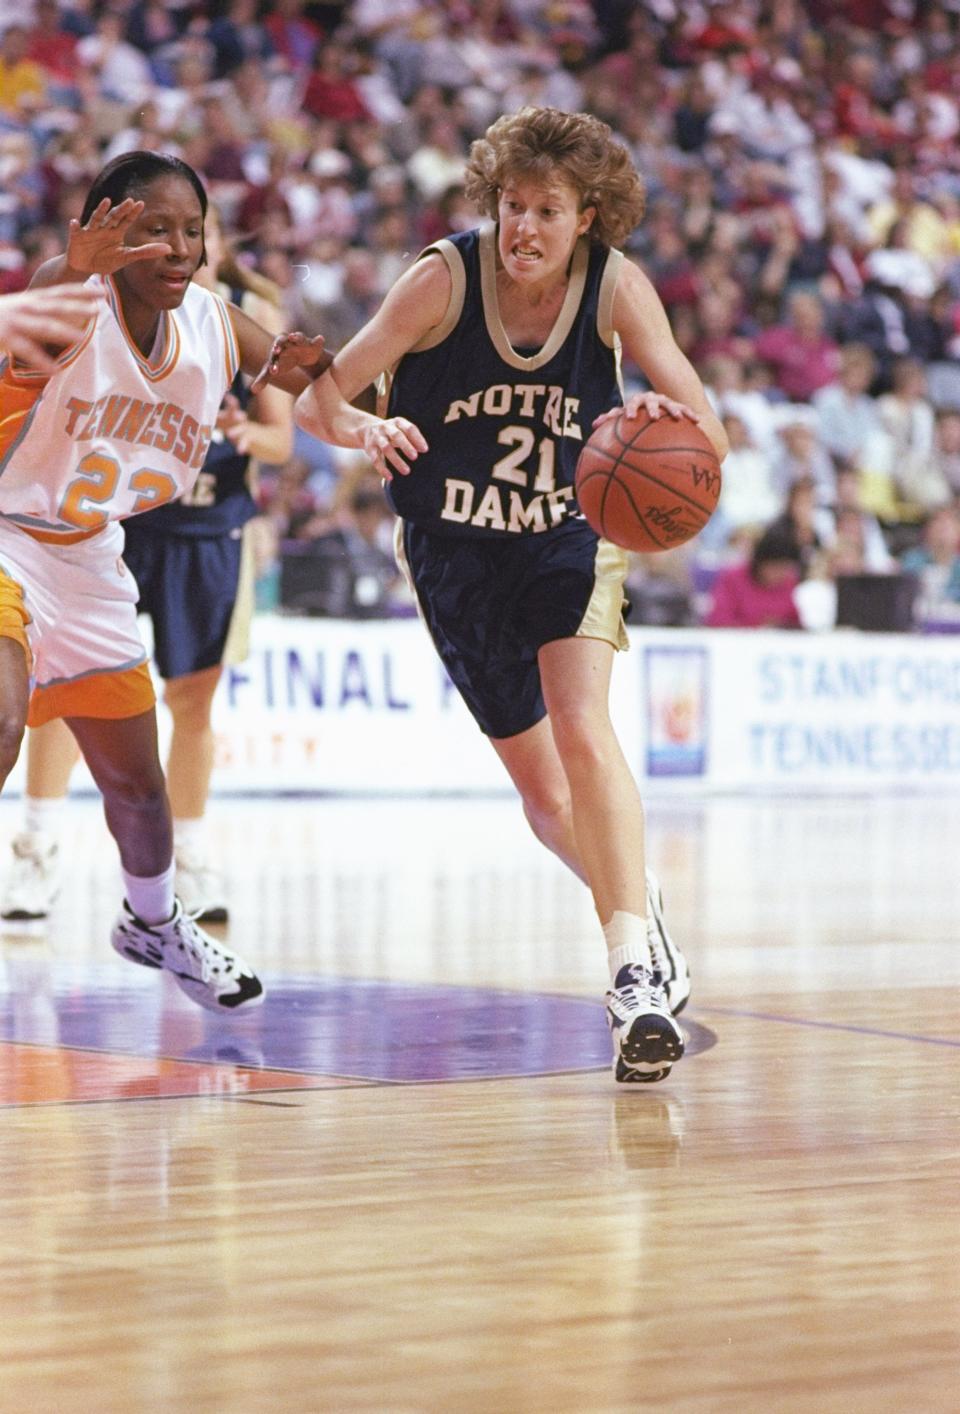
[802,166]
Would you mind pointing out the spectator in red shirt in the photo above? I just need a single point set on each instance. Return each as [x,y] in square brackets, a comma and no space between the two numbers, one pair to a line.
[331,90]
[802,356]
[759,592]
[52,47]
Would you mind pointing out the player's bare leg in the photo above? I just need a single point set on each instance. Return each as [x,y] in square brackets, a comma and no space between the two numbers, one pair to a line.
[153,929]
[582,800]
[14,699]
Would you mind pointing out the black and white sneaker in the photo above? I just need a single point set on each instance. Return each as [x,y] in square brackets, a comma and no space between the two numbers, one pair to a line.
[669,963]
[646,1039]
[211,974]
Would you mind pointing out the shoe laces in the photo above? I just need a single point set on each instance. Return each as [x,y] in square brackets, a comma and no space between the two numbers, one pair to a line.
[202,949]
[636,993]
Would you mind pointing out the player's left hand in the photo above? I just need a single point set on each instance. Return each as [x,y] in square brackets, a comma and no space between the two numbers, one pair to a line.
[392,443]
[652,405]
[99,247]
[291,351]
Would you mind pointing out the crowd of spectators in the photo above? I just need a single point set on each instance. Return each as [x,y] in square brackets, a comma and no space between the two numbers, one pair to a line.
[802,166]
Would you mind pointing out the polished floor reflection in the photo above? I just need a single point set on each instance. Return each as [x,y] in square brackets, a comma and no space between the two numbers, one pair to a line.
[409,1183]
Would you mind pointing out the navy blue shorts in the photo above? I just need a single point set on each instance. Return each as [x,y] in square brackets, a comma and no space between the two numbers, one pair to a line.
[491,605]
[188,586]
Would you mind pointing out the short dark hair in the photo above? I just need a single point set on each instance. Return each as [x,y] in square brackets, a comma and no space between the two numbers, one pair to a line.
[776,543]
[131,173]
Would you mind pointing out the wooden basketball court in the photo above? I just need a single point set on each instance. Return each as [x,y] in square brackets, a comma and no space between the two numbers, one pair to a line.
[409,1182]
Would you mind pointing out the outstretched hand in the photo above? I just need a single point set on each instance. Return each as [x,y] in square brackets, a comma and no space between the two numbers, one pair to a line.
[289,352]
[98,248]
[52,316]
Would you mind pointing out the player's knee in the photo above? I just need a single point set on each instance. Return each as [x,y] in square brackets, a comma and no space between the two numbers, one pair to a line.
[146,794]
[579,739]
[12,727]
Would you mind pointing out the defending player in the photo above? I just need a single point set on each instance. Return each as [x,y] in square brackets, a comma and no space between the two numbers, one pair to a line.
[121,426]
[192,561]
[502,350]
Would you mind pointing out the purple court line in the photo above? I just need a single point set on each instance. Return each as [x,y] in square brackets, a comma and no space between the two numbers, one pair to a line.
[833,1026]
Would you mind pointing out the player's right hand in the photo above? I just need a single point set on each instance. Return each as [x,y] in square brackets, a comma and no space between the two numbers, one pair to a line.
[99,247]
[53,315]
[291,351]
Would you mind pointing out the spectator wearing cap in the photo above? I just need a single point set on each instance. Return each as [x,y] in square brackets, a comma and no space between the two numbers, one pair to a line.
[759,592]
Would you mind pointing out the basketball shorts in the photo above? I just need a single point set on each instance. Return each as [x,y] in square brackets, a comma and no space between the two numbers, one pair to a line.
[73,608]
[491,605]
[198,593]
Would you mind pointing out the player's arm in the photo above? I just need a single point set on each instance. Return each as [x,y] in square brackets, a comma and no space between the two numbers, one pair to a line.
[267,435]
[415,305]
[641,321]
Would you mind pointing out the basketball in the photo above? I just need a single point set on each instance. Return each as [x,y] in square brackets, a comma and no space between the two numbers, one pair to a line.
[648,483]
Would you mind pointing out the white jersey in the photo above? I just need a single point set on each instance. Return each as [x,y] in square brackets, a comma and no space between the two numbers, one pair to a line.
[114,432]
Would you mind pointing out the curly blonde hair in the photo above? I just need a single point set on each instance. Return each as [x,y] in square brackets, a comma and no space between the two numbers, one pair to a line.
[544,143]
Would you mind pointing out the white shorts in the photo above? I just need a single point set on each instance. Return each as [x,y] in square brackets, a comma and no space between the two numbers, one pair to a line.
[80,620]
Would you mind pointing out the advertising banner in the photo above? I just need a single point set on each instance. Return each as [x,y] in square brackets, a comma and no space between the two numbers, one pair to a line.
[336,706]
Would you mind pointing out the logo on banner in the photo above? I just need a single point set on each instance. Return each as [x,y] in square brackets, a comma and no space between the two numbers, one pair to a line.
[676,711]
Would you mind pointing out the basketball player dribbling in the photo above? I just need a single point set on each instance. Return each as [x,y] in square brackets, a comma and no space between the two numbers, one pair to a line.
[121,425]
[501,348]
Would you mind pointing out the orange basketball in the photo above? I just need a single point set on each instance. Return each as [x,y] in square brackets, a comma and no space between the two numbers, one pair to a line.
[648,483]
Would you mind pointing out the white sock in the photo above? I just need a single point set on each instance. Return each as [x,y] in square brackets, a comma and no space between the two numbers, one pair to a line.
[189,835]
[151,899]
[41,815]
[626,936]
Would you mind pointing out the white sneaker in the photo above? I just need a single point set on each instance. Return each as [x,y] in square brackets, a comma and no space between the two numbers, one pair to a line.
[209,973]
[200,888]
[646,1039]
[34,879]
[669,963]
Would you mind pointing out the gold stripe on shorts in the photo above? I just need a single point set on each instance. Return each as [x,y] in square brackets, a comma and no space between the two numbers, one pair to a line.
[237,647]
[604,616]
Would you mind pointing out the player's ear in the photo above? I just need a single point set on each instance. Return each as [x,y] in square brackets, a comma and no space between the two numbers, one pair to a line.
[586,220]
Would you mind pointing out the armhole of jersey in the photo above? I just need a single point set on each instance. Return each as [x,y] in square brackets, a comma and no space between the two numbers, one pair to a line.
[608,289]
[458,277]
[231,348]
[608,335]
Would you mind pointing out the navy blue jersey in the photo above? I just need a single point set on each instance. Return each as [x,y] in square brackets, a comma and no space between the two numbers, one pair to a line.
[505,427]
[219,500]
